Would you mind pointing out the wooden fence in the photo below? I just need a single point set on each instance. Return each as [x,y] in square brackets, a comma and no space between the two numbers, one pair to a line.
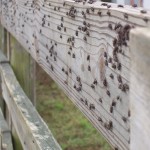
[87,48]
[32,131]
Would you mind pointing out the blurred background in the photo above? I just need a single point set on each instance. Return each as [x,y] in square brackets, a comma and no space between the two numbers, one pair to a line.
[71,129]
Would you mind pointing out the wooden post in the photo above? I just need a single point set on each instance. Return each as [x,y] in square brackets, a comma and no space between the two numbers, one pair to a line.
[4,41]
[1,46]
[8,52]
[25,72]
[5,134]
[24,68]
[4,49]
[32,80]
[140,89]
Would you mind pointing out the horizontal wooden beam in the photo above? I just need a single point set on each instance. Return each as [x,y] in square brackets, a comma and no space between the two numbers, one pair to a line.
[84,47]
[31,129]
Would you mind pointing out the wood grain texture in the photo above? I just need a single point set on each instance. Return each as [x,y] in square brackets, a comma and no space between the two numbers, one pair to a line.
[31,129]
[140,78]
[85,48]
[6,133]
[25,74]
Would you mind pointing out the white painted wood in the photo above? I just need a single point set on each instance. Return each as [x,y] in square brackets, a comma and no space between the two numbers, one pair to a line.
[140,87]
[31,129]
[45,30]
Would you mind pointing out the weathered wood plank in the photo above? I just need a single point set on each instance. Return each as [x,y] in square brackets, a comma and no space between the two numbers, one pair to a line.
[31,129]
[140,89]
[25,74]
[85,49]
[6,133]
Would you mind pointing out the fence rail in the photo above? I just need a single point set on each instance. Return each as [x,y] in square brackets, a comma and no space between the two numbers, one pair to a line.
[31,129]
[84,47]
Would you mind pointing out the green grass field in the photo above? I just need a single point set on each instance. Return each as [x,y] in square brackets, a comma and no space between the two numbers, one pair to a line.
[71,129]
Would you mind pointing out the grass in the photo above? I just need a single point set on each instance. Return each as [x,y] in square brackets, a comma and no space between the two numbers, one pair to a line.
[71,129]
